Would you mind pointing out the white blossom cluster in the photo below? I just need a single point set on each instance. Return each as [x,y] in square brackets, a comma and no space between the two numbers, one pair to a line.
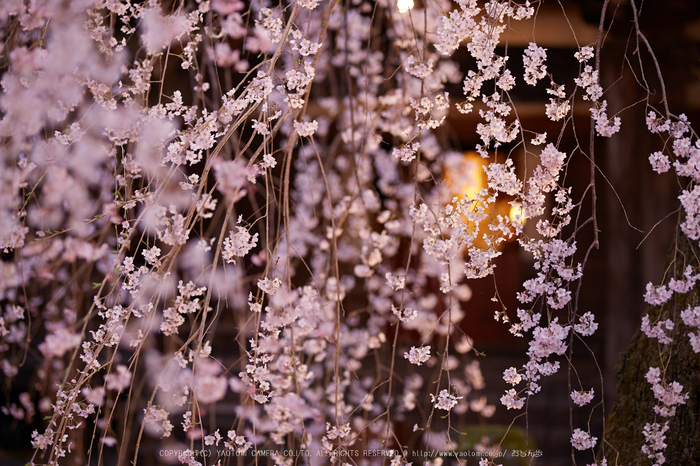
[445,400]
[418,356]
[655,442]
[582,398]
[238,244]
[582,440]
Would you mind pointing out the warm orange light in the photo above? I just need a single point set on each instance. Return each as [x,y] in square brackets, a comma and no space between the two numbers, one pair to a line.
[516,213]
[466,177]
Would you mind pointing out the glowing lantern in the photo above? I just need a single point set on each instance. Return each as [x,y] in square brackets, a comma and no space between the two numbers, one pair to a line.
[465,177]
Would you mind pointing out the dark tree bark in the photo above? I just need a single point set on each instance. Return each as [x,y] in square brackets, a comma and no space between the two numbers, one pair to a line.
[634,399]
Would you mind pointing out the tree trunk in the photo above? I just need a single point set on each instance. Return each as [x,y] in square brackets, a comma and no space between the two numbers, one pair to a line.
[634,399]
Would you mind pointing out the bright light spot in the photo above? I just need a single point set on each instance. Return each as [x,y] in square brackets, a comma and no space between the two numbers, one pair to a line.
[467,177]
[516,213]
[404,5]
